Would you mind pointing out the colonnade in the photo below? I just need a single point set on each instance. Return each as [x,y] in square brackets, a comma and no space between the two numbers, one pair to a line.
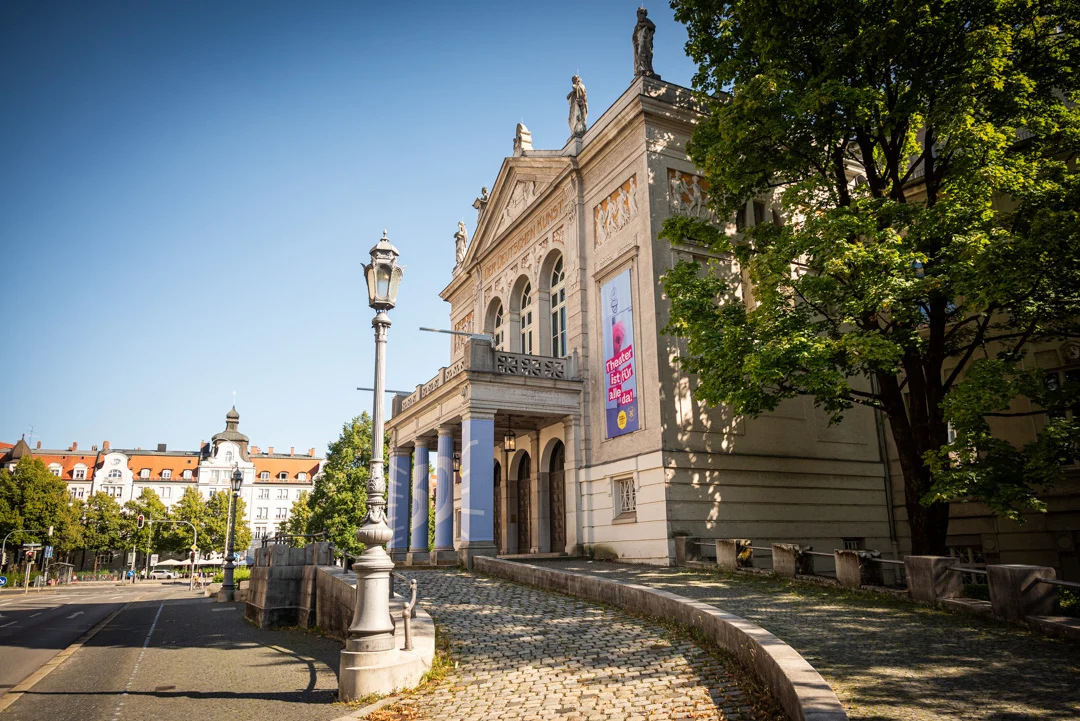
[477,494]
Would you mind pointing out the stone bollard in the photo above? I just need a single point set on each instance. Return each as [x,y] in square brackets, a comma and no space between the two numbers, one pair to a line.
[929,579]
[791,559]
[734,553]
[855,569]
[686,549]
[1015,592]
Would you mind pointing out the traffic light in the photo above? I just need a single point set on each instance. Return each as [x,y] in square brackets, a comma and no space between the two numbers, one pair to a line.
[141,521]
[29,556]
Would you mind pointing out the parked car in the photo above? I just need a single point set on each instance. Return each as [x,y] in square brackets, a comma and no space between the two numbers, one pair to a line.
[161,573]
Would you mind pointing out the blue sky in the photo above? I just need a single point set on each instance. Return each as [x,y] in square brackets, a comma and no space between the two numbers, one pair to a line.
[188,191]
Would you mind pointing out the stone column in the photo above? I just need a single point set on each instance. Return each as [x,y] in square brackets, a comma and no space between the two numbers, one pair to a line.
[477,486]
[418,547]
[444,498]
[538,498]
[399,502]
[574,511]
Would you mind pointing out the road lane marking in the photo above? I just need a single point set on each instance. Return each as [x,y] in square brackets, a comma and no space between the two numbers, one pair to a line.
[77,613]
[9,624]
[135,670]
[36,614]
[33,679]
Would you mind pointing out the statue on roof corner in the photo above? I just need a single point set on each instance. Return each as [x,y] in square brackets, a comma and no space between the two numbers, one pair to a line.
[522,139]
[579,107]
[461,241]
[643,40]
[481,203]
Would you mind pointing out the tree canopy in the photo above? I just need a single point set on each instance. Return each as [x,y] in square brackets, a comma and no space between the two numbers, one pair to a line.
[338,498]
[33,498]
[922,159]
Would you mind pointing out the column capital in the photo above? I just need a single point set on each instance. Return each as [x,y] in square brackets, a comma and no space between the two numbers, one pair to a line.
[475,415]
[421,443]
[447,429]
[400,451]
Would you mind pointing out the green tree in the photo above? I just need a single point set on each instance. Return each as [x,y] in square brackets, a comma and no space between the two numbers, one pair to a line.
[338,499]
[924,159]
[104,522]
[150,506]
[299,519]
[33,498]
[190,508]
[217,514]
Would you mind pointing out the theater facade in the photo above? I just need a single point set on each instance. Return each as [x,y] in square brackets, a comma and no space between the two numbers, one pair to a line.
[562,421]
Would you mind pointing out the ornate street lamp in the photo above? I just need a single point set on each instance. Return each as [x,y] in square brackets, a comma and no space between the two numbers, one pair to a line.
[372,630]
[228,586]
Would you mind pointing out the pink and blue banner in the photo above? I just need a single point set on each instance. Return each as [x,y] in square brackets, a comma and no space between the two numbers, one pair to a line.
[620,367]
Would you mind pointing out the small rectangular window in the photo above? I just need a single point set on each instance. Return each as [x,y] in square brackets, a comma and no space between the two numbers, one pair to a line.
[854,544]
[625,498]
[165,474]
[144,473]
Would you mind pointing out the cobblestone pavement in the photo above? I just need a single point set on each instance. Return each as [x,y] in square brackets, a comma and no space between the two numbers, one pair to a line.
[527,654]
[889,658]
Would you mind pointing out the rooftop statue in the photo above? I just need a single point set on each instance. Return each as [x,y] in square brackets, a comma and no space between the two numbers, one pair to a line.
[579,107]
[461,242]
[522,139]
[481,202]
[643,40]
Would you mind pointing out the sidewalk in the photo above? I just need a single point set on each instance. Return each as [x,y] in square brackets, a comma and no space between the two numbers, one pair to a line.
[886,658]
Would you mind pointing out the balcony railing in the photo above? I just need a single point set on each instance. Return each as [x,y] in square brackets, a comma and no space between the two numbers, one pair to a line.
[479,356]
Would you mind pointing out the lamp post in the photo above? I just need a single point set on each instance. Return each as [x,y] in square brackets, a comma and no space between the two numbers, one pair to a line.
[228,586]
[372,630]
[509,444]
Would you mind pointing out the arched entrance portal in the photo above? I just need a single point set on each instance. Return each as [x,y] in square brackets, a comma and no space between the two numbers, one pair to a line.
[523,507]
[557,498]
[499,490]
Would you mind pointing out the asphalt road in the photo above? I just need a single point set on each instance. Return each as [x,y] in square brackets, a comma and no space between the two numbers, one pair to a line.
[36,626]
[169,655]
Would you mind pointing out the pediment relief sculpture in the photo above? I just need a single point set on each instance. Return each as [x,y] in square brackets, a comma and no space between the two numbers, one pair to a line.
[522,194]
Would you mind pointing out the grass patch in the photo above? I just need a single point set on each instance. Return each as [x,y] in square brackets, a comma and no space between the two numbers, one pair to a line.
[1069,600]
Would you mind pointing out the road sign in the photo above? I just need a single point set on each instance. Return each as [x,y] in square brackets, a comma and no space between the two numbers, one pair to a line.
[130,573]
[31,546]
[153,559]
[130,558]
[48,552]
[3,581]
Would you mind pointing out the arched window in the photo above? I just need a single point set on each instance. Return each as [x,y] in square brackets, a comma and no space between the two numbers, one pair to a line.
[499,331]
[526,319]
[228,456]
[115,473]
[558,310]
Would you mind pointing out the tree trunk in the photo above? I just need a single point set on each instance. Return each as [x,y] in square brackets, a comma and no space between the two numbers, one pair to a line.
[929,524]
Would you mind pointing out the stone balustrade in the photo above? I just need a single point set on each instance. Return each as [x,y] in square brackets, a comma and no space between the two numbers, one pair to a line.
[480,356]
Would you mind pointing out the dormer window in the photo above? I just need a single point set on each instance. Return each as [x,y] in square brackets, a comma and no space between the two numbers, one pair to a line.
[283,476]
[187,475]
[301,476]
[166,474]
[144,473]
[264,476]
[54,468]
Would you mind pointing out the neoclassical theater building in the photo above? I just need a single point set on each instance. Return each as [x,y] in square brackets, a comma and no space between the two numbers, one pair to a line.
[565,409]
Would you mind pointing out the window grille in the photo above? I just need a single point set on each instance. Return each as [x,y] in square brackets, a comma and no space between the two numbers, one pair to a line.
[854,544]
[626,496]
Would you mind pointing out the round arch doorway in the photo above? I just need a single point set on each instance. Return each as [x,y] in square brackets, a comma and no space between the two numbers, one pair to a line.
[557,498]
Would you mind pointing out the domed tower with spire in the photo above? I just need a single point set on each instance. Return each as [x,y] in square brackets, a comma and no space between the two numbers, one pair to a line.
[231,434]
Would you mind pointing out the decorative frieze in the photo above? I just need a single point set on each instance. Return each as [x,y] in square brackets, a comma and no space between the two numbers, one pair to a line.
[615,212]
[510,249]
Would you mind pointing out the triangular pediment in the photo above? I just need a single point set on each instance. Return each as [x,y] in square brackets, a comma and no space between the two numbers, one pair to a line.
[522,181]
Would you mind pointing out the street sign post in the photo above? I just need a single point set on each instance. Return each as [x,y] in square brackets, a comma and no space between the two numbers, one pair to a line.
[3,581]
[48,551]
[153,559]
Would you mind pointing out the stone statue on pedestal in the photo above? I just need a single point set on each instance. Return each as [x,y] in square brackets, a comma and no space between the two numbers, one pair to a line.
[461,240]
[522,139]
[579,107]
[480,203]
[643,41]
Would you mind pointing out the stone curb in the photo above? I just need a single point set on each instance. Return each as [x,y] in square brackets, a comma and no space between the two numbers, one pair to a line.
[800,689]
